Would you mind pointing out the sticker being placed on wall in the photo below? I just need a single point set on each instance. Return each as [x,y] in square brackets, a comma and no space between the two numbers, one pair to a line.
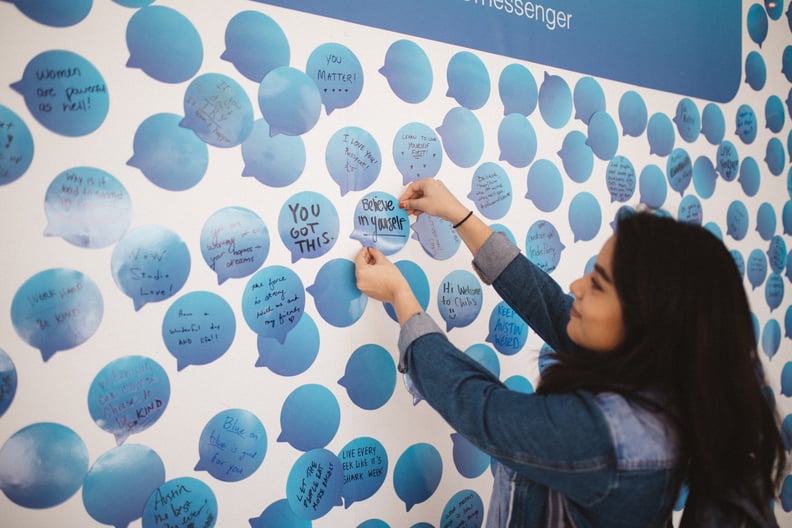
[274,160]
[491,190]
[517,140]
[315,484]
[705,177]
[545,185]
[771,338]
[64,92]
[418,282]
[369,377]
[470,461]
[120,482]
[577,157]
[42,465]
[620,179]
[255,44]
[55,13]
[273,302]
[87,207]
[128,395]
[463,137]
[337,73]
[183,502]
[353,159]
[57,309]
[234,243]
[756,268]
[679,169]
[170,156]
[737,220]
[774,291]
[555,101]
[437,236]
[588,98]
[279,514]
[603,136]
[380,223]
[417,151]
[309,418]
[459,299]
[290,101]
[660,133]
[8,381]
[468,80]
[232,445]
[150,264]
[417,474]
[517,89]
[16,146]
[408,71]
[543,246]
[295,354]
[198,328]
[365,465]
[335,293]
[308,225]
[464,510]
[507,331]
[164,44]
[218,110]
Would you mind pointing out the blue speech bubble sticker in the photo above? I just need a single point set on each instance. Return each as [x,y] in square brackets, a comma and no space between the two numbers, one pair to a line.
[273,301]
[774,114]
[491,190]
[417,474]
[408,71]
[437,236]
[750,176]
[315,484]
[417,151]
[633,114]
[756,267]
[603,136]
[353,159]
[218,110]
[120,482]
[64,92]
[585,216]
[771,338]
[279,514]
[57,309]
[555,101]
[747,125]
[786,389]
[757,24]
[365,465]
[128,395]
[42,465]
[308,225]
[728,161]
[380,223]
[234,242]
[620,179]
[309,418]
[788,322]
[774,291]
[170,156]
[232,445]
[774,156]
[290,101]
[150,264]
[164,44]
[335,293]
[766,221]
[16,146]
[589,98]
[8,381]
[679,169]
[652,186]
[419,284]
[739,261]
[755,71]
[517,140]
[183,502]
[737,220]
[690,210]
[255,44]
[508,333]
[785,494]
[459,299]
[470,461]
[543,245]
[713,124]
[87,207]
[468,80]
[517,89]
[464,510]
[337,73]
[463,137]
[484,355]
[660,133]
[545,185]
[786,61]
[295,354]
[577,157]
[55,13]
[519,383]
[198,328]
[687,120]
[276,161]
[777,253]
[369,377]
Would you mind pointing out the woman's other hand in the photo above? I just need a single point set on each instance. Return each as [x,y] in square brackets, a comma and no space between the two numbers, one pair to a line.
[380,279]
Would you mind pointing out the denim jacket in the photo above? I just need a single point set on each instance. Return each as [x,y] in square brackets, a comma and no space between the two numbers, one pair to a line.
[560,460]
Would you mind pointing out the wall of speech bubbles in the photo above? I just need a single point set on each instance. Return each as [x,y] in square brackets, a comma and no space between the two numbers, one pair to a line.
[185,186]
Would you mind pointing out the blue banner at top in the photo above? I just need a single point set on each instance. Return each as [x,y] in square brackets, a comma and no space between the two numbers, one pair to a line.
[688,47]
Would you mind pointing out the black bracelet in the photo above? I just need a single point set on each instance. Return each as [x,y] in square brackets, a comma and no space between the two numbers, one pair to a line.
[463,220]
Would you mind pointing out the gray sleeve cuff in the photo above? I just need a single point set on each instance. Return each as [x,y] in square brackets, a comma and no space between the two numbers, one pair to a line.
[494,256]
[416,326]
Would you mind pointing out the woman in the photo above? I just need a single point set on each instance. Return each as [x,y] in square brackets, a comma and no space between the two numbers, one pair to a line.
[656,383]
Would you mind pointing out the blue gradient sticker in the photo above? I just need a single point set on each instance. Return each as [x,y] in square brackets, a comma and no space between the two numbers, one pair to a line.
[750,176]
[276,161]
[508,333]
[555,101]
[485,356]
[786,61]
[746,123]
[620,179]
[777,253]
[739,261]
[335,293]
[365,464]
[757,24]
[633,114]
[234,243]
[57,309]
[295,354]
[491,190]
[380,223]
[55,13]
[517,140]
[774,156]
[756,267]
[437,236]
[687,120]
[788,323]
[737,220]
[417,474]
[755,71]
[417,151]
[690,210]
[337,73]
[679,169]
[543,246]
[64,92]
[577,157]
[309,418]
[128,396]
[545,185]
[660,133]
[170,156]
[87,207]
[218,110]
[16,146]
[705,177]
[279,514]
[255,44]
[774,291]
[713,124]
[463,137]
[470,461]
[459,299]
[315,484]
[517,89]
[273,302]
[42,465]
[419,284]
[771,338]
[164,44]
[468,80]
[120,482]
[603,136]
[290,101]
[369,377]
[232,445]
[408,71]
[728,163]
[766,221]
[8,381]
[183,502]
[774,114]
[464,510]
[353,159]
[308,225]
[652,186]
[585,216]
[519,384]
[150,264]
[589,98]
[786,387]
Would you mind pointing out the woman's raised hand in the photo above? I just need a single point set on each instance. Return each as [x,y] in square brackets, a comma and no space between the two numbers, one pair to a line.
[432,197]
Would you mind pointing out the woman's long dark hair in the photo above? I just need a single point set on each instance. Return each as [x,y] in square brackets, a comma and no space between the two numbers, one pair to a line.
[688,334]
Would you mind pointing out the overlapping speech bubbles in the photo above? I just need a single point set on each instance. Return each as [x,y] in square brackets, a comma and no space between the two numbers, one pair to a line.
[310,417]
[365,465]
[543,246]
[87,207]
[491,190]
[380,223]
[369,377]
[417,151]
[308,225]
[588,98]
[8,381]
[437,236]
[55,13]
[468,80]
[463,136]
[290,101]
[255,45]
[517,89]
[274,160]
[337,73]
[408,71]
[150,264]
[273,302]
[459,299]
[42,465]
[336,296]
[464,510]
[576,156]
[315,484]
[16,146]
[234,242]
[232,445]
[295,354]
[417,474]
[64,92]
[57,309]
[508,333]
[218,110]
[183,502]
[128,396]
